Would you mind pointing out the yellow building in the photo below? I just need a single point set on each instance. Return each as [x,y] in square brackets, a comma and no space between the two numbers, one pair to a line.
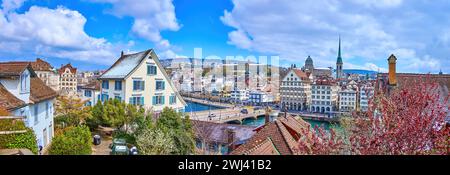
[140,79]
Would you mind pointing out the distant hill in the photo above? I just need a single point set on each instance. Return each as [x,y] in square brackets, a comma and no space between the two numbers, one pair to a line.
[359,71]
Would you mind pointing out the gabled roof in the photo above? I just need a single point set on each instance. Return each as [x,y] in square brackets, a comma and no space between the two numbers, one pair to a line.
[8,101]
[41,65]
[282,133]
[40,91]
[125,65]
[71,68]
[302,75]
[14,69]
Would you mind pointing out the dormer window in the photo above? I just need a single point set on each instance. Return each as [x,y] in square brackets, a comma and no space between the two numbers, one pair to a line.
[25,82]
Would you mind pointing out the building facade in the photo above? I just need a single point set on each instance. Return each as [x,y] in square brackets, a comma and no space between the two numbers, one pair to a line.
[366,92]
[261,98]
[139,79]
[324,94]
[348,100]
[90,93]
[68,80]
[295,91]
[23,94]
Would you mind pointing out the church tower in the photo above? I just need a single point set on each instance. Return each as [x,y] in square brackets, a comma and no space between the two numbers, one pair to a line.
[392,60]
[309,65]
[339,63]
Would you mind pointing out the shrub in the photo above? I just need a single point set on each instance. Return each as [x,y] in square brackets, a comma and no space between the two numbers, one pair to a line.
[20,140]
[72,141]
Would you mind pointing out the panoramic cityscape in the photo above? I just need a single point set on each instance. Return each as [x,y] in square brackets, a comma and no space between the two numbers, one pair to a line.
[159,80]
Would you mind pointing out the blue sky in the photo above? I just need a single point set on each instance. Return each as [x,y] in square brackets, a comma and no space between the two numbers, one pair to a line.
[91,33]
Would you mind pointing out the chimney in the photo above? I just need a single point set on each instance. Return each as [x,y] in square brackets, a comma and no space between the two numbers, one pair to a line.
[267,117]
[392,60]
[231,136]
[121,54]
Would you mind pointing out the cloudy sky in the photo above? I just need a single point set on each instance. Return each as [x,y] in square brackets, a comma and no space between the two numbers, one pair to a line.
[91,33]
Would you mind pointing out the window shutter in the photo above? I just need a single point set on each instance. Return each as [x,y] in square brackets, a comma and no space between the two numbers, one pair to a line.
[142,100]
[131,100]
[154,100]
[143,85]
[163,85]
[162,99]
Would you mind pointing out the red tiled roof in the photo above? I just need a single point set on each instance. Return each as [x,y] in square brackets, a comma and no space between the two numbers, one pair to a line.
[8,101]
[41,65]
[301,74]
[40,91]
[409,78]
[9,69]
[282,133]
[93,85]
[63,68]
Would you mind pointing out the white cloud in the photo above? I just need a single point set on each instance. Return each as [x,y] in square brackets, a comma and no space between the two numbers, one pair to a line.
[150,18]
[8,5]
[48,32]
[370,30]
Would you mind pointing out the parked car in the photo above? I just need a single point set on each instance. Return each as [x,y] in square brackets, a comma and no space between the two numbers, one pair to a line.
[119,147]
[244,111]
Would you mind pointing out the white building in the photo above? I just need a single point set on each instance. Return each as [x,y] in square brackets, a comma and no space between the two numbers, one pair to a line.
[295,90]
[90,93]
[261,98]
[366,92]
[324,94]
[23,94]
[140,79]
[68,80]
[348,99]
[239,95]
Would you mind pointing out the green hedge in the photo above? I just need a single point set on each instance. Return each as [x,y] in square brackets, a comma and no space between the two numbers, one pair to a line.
[19,141]
[72,141]
[12,125]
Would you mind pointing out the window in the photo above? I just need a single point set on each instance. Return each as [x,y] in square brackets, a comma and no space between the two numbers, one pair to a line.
[137,100]
[88,103]
[118,85]
[118,97]
[151,70]
[160,85]
[36,115]
[105,97]
[50,131]
[172,99]
[105,84]
[24,83]
[158,100]
[47,109]
[88,93]
[138,85]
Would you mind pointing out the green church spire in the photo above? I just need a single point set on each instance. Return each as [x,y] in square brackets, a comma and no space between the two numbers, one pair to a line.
[339,58]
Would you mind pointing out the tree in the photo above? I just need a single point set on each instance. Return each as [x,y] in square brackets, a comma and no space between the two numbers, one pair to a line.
[410,120]
[114,113]
[71,111]
[180,129]
[407,121]
[154,141]
[319,142]
[72,141]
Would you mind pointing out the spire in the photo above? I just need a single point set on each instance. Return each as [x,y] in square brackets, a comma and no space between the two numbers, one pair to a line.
[339,58]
